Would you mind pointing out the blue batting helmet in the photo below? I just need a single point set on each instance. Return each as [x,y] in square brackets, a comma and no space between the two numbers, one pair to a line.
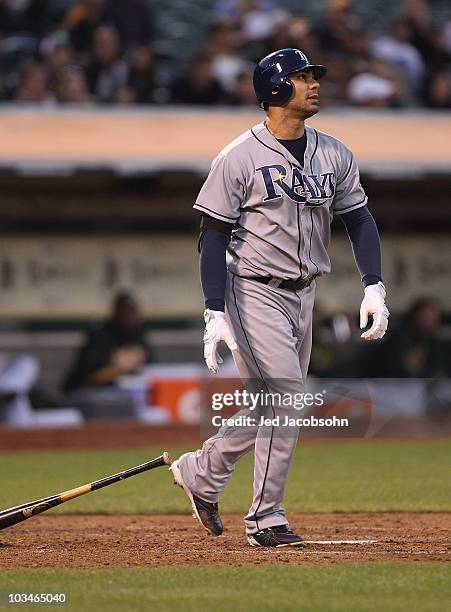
[271,75]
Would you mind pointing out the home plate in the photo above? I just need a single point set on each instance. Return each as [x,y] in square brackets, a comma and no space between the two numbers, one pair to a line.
[341,541]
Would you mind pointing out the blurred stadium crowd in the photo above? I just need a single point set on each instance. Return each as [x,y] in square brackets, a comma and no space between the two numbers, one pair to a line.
[114,52]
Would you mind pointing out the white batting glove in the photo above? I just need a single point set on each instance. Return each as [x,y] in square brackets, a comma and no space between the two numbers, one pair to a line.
[374,304]
[216,329]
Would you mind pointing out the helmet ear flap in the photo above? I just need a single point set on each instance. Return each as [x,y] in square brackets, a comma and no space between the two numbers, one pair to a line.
[281,90]
[288,90]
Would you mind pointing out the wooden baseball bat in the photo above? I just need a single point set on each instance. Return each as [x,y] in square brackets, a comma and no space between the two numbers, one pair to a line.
[20,513]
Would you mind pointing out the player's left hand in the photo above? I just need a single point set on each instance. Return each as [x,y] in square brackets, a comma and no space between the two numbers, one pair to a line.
[374,304]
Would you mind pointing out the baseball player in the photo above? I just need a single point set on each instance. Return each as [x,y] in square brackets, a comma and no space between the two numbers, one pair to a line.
[267,206]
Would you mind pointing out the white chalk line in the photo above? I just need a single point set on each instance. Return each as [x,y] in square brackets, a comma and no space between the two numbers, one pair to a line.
[269,549]
[341,542]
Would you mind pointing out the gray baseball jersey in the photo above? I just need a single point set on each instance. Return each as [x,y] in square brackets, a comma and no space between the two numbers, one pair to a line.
[282,214]
[282,211]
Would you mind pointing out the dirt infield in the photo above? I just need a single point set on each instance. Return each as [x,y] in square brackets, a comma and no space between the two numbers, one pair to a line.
[137,541]
[98,435]
[130,434]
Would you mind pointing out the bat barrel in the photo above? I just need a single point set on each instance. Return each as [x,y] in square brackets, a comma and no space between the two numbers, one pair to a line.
[22,514]
[25,505]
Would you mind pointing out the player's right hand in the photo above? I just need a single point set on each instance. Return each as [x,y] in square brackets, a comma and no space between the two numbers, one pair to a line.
[216,330]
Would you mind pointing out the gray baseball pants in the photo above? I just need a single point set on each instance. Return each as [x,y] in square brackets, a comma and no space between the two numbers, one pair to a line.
[273,330]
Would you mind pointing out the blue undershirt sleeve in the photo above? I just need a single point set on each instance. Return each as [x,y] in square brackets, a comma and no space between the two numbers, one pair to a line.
[213,268]
[364,237]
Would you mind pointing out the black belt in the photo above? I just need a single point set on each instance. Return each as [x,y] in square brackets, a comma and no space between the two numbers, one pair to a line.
[292,285]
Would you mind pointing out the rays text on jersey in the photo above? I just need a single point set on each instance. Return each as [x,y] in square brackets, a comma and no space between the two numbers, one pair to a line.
[309,189]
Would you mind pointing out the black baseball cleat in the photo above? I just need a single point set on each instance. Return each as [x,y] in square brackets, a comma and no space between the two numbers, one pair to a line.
[206,512]
[278,536]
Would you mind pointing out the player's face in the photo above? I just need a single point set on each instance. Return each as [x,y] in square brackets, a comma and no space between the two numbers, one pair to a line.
[306,93]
